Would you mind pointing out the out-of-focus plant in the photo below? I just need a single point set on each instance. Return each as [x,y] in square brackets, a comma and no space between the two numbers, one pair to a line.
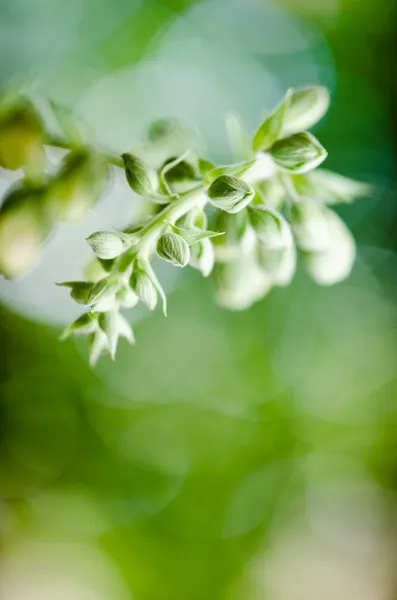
[260,210]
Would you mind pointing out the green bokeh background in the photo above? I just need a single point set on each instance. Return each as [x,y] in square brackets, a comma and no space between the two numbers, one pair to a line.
[227,455]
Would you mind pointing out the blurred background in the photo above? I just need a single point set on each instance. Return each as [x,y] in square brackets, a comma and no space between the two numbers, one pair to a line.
[227,456]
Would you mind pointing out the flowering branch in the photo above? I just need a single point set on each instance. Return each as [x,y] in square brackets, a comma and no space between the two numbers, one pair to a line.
[261,211]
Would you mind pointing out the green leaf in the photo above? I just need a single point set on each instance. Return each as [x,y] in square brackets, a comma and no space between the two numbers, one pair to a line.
[237,170]
[80,290]
[230,193]
[298,153]
[205,166]
[84,325]
[270,130]
[174,249]
[192,236]
[104,289]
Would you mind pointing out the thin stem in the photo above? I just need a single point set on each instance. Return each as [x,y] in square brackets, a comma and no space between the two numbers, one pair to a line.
[59,142]
[172,212]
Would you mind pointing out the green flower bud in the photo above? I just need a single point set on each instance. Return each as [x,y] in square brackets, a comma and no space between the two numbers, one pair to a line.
[335,262]
[142,179]
[271,228]
[230,194]
[106,245]
[240,284]
[84,325]
[202,257]
[143,286]
[309,223]
[78,185]
[298,153]
[24,226]
[174,249]
[305,108]
[21,139]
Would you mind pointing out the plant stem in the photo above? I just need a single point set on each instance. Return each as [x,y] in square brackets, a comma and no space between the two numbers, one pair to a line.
[59,142]
[194,198]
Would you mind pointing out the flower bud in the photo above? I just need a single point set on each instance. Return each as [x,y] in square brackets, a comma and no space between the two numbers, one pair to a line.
[141,178]
[230,193]
[202,257]
[240,284]
[298,153]
[21,143]
[141,283]
[106,245]
[310,225]
[271,228]
[77,186]
[335,262]
[174,249]
[305,108]
[24,226]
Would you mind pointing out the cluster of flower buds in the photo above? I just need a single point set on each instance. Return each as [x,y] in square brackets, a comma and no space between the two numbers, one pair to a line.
[244,223]
[37,200]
